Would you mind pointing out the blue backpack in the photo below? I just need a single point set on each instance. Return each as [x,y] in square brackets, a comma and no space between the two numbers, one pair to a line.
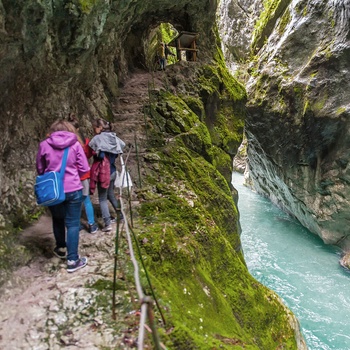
[49,188]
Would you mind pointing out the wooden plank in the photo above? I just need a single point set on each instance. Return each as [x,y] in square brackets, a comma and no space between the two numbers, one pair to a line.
[195,50]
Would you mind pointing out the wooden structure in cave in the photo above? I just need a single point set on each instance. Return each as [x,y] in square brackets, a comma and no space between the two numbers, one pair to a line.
[186,47]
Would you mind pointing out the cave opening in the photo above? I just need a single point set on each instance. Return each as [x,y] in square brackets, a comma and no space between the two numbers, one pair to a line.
[143,36]
[143,46]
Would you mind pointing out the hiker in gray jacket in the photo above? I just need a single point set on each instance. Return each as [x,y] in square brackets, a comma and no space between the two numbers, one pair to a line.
[105,147]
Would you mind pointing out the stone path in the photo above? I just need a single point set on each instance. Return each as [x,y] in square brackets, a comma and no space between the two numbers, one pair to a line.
[42,306]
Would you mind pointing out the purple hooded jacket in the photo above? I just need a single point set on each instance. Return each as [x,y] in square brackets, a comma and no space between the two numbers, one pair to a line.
[49,158]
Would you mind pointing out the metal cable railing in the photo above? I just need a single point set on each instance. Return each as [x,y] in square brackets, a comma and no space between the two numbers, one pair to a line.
[146,301]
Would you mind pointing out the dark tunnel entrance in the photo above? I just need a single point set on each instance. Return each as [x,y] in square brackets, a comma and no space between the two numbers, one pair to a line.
[144,46]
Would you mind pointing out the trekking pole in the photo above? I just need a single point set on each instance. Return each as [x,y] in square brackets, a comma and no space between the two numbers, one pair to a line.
[115,268]
[152,323]
[147,277]
[145,121]
[150,100]
[129,197]
[138,161]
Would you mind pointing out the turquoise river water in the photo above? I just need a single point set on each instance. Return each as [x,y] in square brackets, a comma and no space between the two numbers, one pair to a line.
[299,267]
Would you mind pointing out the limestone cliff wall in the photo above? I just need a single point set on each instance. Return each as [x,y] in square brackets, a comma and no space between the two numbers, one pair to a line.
[236,22]
[63,56]
[298,120]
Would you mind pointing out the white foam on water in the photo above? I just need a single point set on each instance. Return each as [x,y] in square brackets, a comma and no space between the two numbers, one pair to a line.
[299,267]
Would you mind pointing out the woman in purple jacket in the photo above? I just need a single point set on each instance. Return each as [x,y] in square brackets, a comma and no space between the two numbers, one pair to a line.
[66,215]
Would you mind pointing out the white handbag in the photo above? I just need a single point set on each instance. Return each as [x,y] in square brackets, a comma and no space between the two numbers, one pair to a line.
[122,178]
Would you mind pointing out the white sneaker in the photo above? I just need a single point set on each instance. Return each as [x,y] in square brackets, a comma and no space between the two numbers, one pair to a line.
[74,265]
[107,228]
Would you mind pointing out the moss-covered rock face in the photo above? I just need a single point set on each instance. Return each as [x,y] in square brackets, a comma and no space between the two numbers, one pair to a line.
[193,254]
[298,116]
[189,223]
[273,11]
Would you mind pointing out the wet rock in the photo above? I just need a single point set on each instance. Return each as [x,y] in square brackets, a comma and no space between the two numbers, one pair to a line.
[297,125]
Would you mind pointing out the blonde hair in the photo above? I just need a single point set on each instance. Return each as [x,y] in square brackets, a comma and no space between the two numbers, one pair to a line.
[64,125]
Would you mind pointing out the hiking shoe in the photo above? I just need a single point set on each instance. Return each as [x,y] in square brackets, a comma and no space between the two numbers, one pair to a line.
[81,227]
[93,228]
[74,265]
[60,252]
[119,215]
[107,228]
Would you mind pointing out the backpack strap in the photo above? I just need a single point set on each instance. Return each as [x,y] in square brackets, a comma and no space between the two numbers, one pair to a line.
[64,162]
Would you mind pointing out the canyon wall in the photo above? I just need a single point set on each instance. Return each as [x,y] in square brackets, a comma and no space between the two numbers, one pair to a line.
[298,112]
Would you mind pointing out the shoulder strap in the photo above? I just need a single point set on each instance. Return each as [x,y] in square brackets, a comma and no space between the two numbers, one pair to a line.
[64,161]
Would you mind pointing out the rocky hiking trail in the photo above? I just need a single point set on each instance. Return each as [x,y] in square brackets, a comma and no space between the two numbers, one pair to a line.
[42,306]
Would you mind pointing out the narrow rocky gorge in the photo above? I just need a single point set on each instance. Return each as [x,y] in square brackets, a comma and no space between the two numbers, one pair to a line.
[297,121]
[182,127]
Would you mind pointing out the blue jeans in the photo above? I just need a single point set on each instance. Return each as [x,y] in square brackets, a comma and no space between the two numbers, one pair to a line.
[67,215]
[162,63]
[89,210]
[105,194]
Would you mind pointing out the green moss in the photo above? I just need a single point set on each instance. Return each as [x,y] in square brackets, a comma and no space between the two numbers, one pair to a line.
[87,5]
[102,285]
[340,111]
[298,90]
[78,7]
[313,74]
[177,115]
[319,103]
[189,222]
[301,8]
[12,254]
[306,107]
[224,137]
[198,139]
[285,19]
[278,103]
[273,9]
[305,11]
[221,91]
[328,52]
[195,104]
[269,9]
[222,161]
[192,252]
[167,32]
[219,74]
